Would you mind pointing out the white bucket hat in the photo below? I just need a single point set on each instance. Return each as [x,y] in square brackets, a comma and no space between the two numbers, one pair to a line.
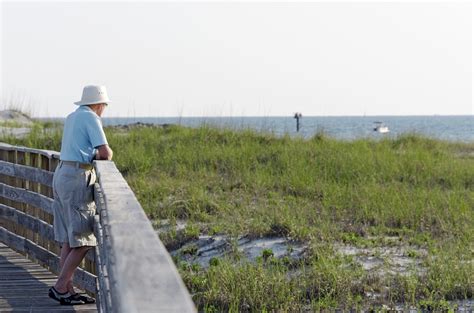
[93,94]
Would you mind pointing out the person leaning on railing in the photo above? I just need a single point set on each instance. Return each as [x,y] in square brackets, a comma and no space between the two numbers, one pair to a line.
[74,209]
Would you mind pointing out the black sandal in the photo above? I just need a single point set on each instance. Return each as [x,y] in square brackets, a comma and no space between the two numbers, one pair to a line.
[64,298]
[56,295]
[84,298]
[71,300]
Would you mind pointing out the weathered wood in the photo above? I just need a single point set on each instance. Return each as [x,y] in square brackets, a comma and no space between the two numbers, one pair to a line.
[36,175]
[5,179]
[103,298]
[48,153]
[12,240]
[142,275]
[10,180]
[46,191]
[2,180]
[43,229]
[83,279]
[53,163]
[22,183]
[36,225]
[24,286]
[34,163]
[26,196]
[136,273]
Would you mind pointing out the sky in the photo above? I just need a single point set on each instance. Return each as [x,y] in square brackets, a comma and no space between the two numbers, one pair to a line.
[239,58]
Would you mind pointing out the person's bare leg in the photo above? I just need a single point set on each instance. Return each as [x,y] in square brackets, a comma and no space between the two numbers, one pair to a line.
[65,250]
[71,262]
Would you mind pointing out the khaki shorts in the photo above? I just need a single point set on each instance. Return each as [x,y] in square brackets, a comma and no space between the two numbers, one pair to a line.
[74,206]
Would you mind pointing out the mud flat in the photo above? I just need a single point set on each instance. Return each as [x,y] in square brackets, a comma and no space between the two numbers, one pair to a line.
[205,248]
[381,260]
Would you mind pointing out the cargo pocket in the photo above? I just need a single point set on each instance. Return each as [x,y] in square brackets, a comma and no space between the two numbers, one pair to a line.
[83,219]
[89,188]
[91,178]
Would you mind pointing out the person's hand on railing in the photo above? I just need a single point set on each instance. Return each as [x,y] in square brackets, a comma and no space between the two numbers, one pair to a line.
[104,153]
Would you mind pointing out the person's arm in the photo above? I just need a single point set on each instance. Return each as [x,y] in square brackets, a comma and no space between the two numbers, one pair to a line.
[104,153]
[97,138]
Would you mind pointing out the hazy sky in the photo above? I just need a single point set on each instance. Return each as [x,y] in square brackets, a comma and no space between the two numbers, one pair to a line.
[239,59]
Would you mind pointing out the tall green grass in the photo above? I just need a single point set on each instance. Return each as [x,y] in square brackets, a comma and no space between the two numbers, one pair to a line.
[320,191]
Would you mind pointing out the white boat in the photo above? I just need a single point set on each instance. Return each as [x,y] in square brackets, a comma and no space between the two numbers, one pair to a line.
[380,127]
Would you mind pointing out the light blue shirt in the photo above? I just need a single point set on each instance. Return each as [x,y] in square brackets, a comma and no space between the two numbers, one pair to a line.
[82,134]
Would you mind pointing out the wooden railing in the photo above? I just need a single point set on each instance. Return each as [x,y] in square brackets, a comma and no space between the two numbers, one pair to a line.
[26,177]
[130,269]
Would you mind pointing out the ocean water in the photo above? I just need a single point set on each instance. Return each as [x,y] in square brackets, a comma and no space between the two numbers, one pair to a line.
[452,128]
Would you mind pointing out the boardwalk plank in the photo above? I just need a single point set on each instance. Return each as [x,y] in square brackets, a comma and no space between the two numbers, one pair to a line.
[24,287]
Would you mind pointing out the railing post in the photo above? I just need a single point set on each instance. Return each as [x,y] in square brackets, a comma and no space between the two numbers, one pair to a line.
[53,162]
[104,299]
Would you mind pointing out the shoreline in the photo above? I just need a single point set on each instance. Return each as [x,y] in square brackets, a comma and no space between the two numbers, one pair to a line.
[452,128]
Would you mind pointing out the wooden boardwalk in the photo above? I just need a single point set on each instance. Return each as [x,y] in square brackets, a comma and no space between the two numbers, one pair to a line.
[120,281]
[24,286]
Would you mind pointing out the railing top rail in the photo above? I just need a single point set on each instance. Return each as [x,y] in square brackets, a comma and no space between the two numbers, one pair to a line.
[48,153]
[142,275]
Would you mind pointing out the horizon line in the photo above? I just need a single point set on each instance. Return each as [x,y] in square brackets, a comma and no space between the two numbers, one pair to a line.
[273,116]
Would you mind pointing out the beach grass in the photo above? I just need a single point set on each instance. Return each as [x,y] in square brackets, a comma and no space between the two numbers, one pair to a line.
[319,191]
